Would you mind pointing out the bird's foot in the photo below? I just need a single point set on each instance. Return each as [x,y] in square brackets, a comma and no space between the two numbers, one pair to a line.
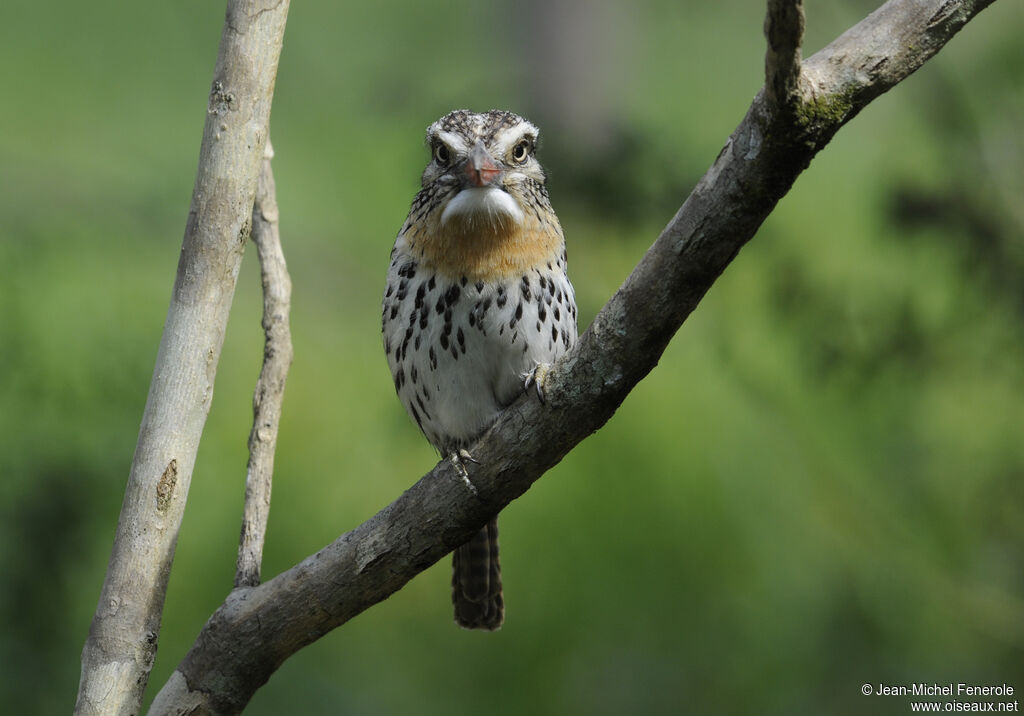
[458,459]
[536,378]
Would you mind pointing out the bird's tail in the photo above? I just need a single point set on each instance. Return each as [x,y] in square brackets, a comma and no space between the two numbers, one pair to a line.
[476,581]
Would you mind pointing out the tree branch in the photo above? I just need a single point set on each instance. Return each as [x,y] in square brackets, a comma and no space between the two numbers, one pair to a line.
[269,393]
[121,645]
[256,629]
[784,30]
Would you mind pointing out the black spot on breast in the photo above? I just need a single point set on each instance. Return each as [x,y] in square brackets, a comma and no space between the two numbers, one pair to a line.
[400,377]
[423,407]
[463,281]
[461,337]
[431,284]
[420,293]
[444,341]
[403,351]
[554,333]
[433,358]
[407,270]
[439,306]
[412,374]
[451,296]
[479,286]
[525,288]
[557,314]
[502,298]
[391,290]
[394,311]
[403,288]
[423,319]
[542,314]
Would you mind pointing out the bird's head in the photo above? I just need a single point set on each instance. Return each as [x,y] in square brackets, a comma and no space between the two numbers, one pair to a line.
[483,169]
[484,211]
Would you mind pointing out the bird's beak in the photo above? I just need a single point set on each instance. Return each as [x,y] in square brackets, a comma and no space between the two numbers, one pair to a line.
[480,168]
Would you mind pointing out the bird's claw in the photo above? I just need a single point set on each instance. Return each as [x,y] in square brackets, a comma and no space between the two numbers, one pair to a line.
[536,378]
[457,457]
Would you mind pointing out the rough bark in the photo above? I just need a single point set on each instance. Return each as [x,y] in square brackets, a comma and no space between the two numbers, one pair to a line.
[256,629]
[269,393]
[121,645]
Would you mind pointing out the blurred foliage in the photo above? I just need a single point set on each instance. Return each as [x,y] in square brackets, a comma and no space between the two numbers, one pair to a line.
[820,486]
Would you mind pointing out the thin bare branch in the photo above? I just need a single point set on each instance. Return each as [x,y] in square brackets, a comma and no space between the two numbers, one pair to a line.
[256,629]
[269,393]
[784,30]
[122,641]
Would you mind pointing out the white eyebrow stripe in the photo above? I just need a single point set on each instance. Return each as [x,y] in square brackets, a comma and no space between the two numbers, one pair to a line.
[506,140]
[453,140]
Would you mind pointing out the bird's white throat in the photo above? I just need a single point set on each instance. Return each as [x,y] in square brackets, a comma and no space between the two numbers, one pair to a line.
[483,205]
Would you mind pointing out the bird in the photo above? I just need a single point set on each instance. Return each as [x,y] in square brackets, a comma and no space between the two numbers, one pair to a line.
[476,308]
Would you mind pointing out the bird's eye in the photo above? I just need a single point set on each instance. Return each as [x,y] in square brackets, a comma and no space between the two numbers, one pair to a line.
[442,154]
[521,151]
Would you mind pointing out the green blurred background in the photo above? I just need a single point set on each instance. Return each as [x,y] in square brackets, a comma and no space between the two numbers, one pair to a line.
[819,486]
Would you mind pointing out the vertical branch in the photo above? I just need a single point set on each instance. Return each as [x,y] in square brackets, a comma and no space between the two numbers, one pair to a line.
[119,651]
[269,392]
[784,30]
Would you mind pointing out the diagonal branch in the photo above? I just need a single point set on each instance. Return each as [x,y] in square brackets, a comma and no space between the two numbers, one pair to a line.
[256,629]
[269,393]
